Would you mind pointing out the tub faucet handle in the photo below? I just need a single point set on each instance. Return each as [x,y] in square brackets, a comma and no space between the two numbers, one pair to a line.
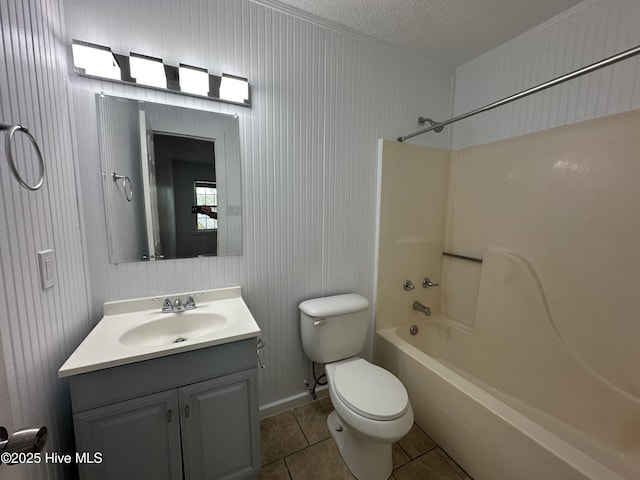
[408,285]
[426,283]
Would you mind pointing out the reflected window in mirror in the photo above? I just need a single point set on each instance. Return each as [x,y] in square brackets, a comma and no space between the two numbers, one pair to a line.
[206,207]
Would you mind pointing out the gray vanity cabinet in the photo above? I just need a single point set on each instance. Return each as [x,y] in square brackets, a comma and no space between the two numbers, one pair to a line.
[191,416]
[118,431]
[215,443]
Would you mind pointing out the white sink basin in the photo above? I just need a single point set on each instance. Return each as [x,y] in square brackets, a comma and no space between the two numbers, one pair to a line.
[173,328]
[135,330]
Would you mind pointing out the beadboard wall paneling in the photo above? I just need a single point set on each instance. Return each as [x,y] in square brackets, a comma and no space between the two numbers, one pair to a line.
[120,145]
[321,98]
[39,328]
[587,33]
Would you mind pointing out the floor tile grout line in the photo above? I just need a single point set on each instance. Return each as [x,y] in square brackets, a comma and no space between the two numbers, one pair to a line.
[405,451]
[412,459]
[271,463]
[437,450]
[287,467]
[329,409]
[301,429]
[449,459]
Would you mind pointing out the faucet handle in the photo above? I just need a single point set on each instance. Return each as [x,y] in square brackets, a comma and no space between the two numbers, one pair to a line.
[166,304]
[426,283]
[191,303]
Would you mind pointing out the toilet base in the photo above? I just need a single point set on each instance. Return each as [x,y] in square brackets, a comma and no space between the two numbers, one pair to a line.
[366,459]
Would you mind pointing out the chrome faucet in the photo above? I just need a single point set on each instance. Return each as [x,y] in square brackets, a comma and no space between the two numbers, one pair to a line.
[177,306]
[421,308]
[168,307]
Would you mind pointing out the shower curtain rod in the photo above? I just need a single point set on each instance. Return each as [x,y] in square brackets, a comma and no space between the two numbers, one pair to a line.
[543,86]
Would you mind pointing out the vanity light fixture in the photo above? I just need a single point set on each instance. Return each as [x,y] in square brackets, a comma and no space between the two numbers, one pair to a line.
[93,59]
[97,61]
[193,80]
[234,89]
[147,70]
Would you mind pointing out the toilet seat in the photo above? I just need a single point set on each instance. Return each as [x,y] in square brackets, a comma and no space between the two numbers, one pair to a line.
[370,391]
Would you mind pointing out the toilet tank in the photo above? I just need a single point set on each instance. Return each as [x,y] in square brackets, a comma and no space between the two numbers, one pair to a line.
[334,328]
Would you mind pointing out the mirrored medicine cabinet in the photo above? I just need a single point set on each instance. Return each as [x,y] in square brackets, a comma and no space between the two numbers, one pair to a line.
[171,180]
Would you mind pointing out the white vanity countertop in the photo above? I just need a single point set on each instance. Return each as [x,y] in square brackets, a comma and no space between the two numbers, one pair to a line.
[102,348]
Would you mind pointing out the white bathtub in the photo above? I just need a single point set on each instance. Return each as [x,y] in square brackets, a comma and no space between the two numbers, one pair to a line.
[508,397]
[491,435]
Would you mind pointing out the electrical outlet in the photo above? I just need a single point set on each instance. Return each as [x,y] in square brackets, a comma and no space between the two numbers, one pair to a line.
[47,269]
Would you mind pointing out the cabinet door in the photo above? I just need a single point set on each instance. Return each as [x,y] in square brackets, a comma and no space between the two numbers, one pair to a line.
[138,439]
[220,435]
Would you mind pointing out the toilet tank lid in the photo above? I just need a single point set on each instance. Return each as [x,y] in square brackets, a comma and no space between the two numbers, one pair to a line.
[334,305]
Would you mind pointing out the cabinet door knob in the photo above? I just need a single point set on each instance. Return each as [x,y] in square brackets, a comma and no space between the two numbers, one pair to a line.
[169,416]
[186,411]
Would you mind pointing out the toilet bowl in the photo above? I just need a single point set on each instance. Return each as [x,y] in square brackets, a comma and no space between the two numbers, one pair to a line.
[372,411]
[372,408]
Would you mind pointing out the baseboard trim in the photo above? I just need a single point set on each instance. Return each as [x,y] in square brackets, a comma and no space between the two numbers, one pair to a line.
[274,408]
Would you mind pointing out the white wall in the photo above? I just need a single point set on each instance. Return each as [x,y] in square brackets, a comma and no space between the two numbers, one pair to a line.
[322,96]
[587,33]
[39,327]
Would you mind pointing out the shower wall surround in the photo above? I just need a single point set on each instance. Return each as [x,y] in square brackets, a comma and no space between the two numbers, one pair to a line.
[564,197]
[321,98]
[413,196]
[566,200]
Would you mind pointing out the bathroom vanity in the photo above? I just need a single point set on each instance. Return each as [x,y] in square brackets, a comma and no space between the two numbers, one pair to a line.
[185,409]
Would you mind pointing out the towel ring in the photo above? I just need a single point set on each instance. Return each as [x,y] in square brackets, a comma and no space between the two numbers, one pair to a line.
[12,129]
[128,192]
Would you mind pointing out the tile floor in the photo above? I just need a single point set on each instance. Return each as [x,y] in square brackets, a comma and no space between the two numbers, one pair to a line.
[296,445]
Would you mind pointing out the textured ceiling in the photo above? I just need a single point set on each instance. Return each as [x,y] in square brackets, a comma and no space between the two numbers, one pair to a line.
[448,31]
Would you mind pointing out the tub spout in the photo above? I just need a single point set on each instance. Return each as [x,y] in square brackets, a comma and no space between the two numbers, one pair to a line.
[421,308]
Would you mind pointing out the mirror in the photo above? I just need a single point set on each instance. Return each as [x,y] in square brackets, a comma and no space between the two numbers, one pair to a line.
[171,180]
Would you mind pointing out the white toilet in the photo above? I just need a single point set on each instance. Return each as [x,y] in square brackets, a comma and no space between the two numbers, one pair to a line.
[372,408]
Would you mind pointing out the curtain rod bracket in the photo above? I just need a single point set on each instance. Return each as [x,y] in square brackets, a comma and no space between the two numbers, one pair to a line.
[423,120]
[434,126]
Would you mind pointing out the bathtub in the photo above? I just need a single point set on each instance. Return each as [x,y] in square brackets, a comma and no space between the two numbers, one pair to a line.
[507,397]
[489,436]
